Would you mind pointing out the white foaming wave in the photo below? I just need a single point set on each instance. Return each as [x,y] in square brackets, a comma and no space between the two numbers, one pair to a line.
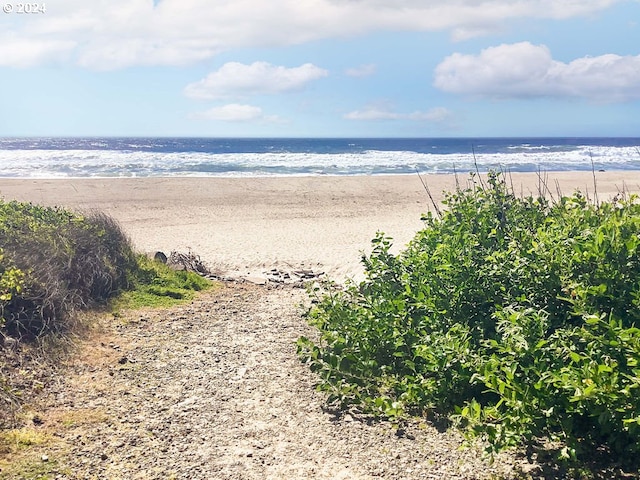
[527,146]
[75,163]
[114,163]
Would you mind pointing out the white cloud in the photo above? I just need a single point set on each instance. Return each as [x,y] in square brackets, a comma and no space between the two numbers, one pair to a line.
[525,70]
[24,53]
[439,115]
[234,112]
[108,34]
[373,113]
[361,70]
[239,80]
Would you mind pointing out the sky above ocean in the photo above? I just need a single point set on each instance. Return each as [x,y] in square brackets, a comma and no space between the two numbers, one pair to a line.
[320,68]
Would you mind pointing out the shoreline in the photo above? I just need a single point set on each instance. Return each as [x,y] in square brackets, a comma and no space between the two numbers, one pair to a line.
[246,226]
[276,176]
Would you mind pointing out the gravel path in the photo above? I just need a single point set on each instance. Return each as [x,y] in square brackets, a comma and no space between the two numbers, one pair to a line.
[214,390]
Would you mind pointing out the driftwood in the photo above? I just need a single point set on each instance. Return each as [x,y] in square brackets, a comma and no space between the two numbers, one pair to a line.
[188,261]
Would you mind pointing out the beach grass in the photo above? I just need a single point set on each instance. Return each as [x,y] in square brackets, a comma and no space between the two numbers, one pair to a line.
[56,262]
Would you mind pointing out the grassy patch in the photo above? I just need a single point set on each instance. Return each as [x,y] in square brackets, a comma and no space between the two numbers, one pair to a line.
[21,455]
[37,452]
[12,441]
[32,468]
[154,284]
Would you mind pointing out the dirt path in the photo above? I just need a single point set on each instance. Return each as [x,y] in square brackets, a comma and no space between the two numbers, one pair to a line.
[214,390]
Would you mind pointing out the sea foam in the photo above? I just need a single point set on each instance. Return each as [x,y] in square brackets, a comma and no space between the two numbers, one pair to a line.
[143,159]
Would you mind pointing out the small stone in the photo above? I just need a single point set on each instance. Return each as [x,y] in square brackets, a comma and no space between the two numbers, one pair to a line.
[160,257]
[44,458]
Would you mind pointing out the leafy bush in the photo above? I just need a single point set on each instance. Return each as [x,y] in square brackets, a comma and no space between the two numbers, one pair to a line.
[55,262]
[515,317]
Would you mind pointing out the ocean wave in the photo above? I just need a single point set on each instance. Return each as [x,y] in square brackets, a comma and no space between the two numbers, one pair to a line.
[41,163]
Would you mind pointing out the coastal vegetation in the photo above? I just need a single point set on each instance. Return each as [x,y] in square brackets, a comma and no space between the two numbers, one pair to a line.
[55,263]
[515,318]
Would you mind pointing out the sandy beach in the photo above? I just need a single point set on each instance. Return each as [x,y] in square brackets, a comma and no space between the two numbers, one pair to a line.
[246,226]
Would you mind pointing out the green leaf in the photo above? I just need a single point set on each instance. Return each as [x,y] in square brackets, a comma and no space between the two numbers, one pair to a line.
[576,358]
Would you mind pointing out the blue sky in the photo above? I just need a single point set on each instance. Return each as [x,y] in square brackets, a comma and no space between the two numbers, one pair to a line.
[321,68]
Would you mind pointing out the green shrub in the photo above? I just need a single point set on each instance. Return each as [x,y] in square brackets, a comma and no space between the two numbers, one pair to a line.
[63,262]
[515,317]
[54,262]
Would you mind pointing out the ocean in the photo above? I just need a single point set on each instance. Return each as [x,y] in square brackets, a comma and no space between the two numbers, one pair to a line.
[235,157]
